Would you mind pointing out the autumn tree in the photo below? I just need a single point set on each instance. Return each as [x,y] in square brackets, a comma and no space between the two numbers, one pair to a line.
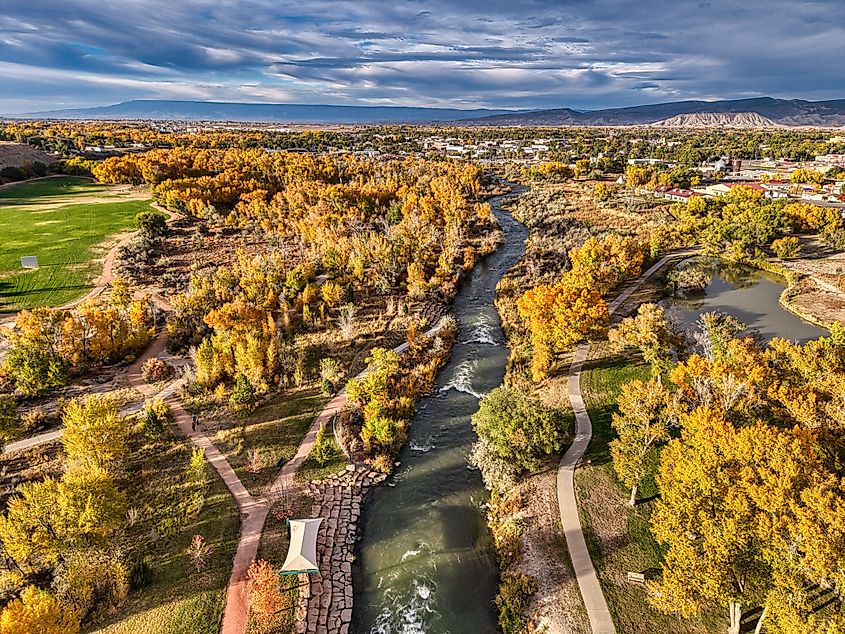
[601,264]
[38,612]
[559,317]
[94,434]
[34,361]
[266,598]
[643,422]
[651,333]
[787,247]
[705,520]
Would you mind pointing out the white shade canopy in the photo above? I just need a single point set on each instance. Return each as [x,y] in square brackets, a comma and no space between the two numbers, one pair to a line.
[302,553]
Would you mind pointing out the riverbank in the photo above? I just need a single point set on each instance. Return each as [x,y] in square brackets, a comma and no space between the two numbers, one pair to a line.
[559,217]
[425,559]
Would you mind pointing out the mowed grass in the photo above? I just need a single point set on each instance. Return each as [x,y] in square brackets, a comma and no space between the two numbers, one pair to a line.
[63,221]
[618,536]
[274,430]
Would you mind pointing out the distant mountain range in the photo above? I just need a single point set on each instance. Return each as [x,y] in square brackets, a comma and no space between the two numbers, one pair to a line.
[785,112]
[161,110]
[760,112]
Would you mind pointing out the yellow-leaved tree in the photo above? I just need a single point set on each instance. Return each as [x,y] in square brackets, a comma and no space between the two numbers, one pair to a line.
[559,317]
[643,422]
[38,612]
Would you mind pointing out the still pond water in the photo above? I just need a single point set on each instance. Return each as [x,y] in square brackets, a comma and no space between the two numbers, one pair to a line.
[746,293]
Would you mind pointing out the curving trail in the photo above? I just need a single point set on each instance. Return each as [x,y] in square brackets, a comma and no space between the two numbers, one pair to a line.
[601,621]
[253,510]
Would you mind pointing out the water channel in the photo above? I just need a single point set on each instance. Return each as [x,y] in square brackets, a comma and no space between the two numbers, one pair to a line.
[750,295]
[425,562]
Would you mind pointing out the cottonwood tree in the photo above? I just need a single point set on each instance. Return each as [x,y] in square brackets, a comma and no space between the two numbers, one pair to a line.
[706,522]
[649,332]
[643,422]
[94,435]
[559,317]
[38,612]
[747,511]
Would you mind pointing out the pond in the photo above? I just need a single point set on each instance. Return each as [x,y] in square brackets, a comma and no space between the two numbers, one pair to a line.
[749,294]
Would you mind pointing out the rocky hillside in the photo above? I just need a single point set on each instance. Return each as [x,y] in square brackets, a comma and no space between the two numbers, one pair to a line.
[717,120]
[17,154]
[789,112]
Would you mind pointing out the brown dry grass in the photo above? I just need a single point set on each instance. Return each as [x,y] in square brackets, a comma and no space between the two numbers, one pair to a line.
[556,606]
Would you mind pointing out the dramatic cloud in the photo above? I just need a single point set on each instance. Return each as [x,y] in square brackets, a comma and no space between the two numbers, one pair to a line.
[494,53]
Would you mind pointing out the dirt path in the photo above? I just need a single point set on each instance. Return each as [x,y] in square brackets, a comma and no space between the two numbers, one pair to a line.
[253,510]
[39,178]
[601,621]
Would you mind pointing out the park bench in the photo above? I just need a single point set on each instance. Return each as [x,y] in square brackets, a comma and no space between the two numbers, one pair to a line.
[636,577]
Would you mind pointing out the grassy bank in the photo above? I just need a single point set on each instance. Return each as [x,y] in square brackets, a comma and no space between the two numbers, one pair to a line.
[260,443]
[177,599]
[617,535]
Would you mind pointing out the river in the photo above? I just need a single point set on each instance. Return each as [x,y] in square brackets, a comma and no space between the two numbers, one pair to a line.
[425,562]
[750,295]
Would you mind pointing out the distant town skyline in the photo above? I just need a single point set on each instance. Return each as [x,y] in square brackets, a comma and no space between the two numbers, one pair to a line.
[443,53]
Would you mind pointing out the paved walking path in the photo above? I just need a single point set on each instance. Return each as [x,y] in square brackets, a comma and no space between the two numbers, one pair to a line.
[601,621]
[253,510]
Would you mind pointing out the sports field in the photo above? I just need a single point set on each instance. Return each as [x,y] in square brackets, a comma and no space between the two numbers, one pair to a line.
[69,224]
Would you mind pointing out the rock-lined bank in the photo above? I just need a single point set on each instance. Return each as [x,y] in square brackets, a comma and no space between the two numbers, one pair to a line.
[325,599]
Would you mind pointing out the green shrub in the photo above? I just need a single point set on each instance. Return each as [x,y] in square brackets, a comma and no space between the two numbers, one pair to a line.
[331,374]
[151,223]
[140,574]
[12,173]
[243,394]
[9,422]
[518,427]
[156,416]
[514,592]
[325,449]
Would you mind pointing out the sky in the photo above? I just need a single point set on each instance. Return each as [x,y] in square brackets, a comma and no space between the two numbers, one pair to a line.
[521,54]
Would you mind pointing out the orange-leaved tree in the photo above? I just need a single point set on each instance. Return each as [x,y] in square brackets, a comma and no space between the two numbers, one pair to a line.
[560,316]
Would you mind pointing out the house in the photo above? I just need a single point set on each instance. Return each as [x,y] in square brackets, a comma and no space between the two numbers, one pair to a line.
[680,195]
[776,189]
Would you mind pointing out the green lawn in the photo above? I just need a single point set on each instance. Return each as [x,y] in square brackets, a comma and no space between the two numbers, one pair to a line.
[273,431]
[61,221]
[618,537]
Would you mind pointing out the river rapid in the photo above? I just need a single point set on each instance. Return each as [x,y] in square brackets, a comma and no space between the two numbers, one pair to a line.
[425,562]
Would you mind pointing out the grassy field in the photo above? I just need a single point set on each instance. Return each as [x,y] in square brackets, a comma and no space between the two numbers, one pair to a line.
[274,430]
[618,536]
[65,222]
[178,599]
